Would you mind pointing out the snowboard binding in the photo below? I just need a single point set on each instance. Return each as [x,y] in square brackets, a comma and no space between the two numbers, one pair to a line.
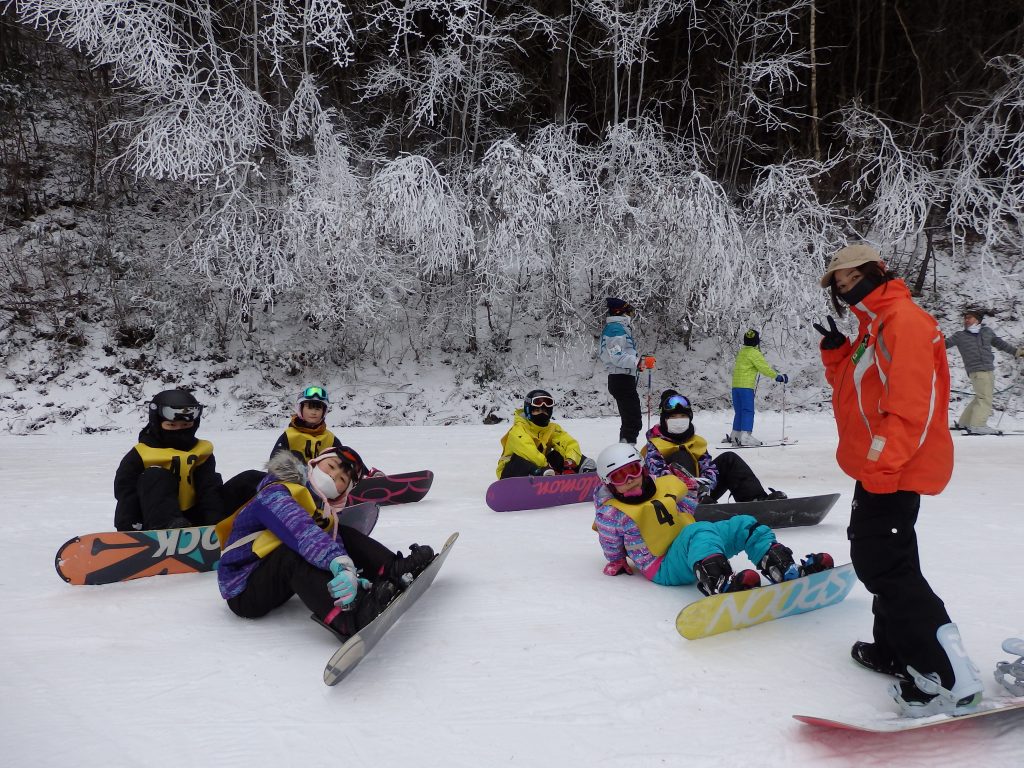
[1010,674]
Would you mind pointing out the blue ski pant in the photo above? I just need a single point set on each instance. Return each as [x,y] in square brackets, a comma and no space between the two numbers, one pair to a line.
[743,409]
[696,541]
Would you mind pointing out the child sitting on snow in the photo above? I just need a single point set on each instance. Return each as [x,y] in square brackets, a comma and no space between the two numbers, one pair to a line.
[647,516]
[536,445]
[307,434]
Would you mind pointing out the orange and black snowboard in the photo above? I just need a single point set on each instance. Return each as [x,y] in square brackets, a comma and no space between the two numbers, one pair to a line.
[103,558]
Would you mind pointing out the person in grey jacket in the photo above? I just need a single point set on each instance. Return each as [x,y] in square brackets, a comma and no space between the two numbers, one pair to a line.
[975,344]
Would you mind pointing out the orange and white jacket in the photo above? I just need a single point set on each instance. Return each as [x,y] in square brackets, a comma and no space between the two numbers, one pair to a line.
[890,396]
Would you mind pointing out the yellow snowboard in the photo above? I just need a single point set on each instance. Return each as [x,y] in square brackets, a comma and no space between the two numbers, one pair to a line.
[736,610]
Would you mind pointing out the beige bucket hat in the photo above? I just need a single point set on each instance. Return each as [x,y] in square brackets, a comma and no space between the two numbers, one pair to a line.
[849,256]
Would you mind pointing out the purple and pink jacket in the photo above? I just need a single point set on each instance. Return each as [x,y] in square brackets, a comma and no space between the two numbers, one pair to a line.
[618,533]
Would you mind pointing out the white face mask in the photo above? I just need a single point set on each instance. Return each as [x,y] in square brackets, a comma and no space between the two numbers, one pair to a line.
[323,483]
[677,425]
[976,328]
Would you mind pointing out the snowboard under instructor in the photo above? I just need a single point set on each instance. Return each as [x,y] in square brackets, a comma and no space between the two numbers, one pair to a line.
[890,398]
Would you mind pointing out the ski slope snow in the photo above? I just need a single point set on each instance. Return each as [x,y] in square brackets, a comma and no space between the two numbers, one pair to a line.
[522,653]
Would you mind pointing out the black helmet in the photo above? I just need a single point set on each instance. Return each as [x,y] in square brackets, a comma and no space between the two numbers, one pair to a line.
[174,405]
[538,398]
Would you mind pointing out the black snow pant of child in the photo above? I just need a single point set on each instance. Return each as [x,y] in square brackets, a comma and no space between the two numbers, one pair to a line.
[883,549]
[622,386]
[517,466]
[158,503]
[736,477]
[284,573]
[241,488]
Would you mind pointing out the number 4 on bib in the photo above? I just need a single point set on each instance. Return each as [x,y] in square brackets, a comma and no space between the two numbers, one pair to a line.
[735,610]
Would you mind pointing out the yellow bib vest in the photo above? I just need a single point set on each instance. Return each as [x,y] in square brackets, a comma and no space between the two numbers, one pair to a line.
[308,444]
[173,461]
[697,446]
[265,542]
[658,518]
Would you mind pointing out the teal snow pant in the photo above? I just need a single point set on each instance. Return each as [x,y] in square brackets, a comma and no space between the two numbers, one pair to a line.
[741,533]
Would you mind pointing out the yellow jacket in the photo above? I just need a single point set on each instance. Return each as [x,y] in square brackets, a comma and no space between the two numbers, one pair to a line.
[531,442]
[749,363]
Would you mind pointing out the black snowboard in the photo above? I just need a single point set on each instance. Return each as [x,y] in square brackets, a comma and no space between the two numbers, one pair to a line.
[356,647]
[777,513]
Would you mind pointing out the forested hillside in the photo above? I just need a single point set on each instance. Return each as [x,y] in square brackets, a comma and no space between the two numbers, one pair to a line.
[300,186]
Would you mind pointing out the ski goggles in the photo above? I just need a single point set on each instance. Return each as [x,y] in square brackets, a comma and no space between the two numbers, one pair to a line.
[676,401]
[625,473]
[315,393]
[186,413]
[542,401]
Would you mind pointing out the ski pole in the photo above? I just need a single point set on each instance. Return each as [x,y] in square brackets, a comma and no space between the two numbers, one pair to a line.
[783,412]
[648,399]
[649,365]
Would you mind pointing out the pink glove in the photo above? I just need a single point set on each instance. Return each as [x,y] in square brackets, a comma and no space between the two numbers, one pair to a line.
[682,474]
[619,566]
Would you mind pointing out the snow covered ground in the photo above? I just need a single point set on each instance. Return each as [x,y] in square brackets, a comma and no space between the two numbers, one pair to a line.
[522,653]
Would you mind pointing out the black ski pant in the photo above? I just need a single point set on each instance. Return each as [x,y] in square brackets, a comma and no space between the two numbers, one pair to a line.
[517,466]
[284,573]
[622,386]
[883,549]
[241,488]
[736,477]
[158,502]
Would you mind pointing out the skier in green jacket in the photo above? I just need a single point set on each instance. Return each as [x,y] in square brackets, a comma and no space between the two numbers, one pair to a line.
[749,363]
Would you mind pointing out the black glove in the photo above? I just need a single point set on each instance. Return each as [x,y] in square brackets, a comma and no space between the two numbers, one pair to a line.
[555,460]
[832,338]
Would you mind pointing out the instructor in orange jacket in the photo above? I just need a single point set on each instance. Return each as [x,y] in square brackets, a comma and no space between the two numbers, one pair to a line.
[890,398]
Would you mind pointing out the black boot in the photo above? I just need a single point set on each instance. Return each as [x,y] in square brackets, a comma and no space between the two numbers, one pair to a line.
[714,575]
[405,568]
[371,603]
[777,564]
[869,657]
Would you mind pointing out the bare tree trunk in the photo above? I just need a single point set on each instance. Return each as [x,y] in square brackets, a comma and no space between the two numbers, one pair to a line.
[881,58]
[815,132]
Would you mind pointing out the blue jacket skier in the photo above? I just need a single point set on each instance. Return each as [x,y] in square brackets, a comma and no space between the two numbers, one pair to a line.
[622,361]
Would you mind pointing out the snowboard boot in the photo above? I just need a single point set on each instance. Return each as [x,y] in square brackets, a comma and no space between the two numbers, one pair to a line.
[405,568]
[870,657]
[588,465]
[816,562]
[1010,674]
[715,575]
[924,695]
[371,603]
[773,495]
[777,564]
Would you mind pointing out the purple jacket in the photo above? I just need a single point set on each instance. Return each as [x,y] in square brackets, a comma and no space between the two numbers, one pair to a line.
[273,509]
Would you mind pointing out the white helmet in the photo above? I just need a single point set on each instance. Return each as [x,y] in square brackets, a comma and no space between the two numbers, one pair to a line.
[615,456]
